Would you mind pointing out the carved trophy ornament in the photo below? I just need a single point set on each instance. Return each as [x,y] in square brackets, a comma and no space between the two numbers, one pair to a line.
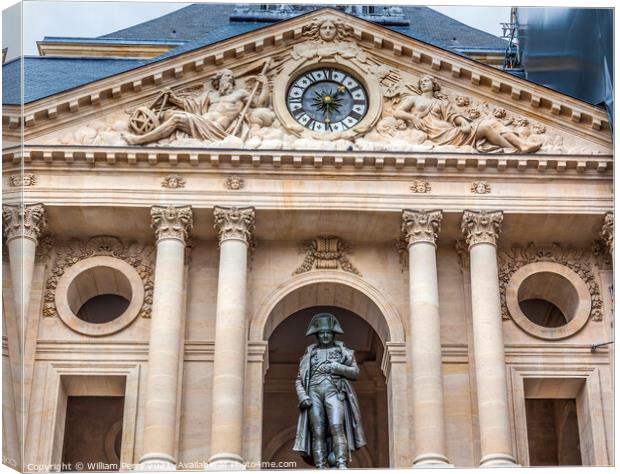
[329,426]
[326,253]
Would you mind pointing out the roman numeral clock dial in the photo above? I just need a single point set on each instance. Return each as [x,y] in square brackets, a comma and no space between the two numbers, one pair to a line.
[327,100]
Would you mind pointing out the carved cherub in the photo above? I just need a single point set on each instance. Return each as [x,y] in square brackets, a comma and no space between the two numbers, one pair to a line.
[432,113]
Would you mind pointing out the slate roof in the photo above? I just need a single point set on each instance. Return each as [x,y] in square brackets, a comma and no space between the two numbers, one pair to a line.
[45,76]
[194,21]
[200,25]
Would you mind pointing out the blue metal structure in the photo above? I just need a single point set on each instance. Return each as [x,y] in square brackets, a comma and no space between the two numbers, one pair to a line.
[569,50]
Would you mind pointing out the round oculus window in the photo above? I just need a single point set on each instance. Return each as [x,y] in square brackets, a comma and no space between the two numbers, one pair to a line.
[327,100]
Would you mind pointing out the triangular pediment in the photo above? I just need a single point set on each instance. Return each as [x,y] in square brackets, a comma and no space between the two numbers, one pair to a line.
[245,92]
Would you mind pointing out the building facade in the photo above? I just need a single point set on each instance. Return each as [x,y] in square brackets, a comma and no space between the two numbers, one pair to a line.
[175,225]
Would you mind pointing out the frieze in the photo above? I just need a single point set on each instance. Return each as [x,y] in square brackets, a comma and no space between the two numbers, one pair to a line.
[326,253]
[578,260]
[67,253]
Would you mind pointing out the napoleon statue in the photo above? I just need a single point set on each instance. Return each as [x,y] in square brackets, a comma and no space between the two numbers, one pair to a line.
[329,427]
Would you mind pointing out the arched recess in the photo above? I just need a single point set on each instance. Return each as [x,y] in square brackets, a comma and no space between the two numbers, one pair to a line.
[328,288]
[347,291]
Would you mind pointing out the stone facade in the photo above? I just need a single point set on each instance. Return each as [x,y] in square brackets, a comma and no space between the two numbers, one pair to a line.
[435,251]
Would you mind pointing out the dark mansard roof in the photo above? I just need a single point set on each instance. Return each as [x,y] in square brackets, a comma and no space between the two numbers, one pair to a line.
[199,25]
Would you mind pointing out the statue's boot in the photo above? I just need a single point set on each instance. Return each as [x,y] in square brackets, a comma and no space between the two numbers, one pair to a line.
[319,450]
[320,458]
[339,441]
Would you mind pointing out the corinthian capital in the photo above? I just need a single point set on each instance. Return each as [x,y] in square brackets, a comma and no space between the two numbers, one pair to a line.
[26,221]
[481,227]
[172,222]
[607,231]
[420,226]
[234,223]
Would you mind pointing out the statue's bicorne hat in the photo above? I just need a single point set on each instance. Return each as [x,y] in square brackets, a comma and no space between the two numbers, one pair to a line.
[324,322]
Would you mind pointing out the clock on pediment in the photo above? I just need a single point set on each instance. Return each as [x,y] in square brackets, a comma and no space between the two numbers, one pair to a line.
[327,99]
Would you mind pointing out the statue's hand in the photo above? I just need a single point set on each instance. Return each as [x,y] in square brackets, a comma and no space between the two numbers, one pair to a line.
[465,127]
[305,404]
[328,368]
[415,121]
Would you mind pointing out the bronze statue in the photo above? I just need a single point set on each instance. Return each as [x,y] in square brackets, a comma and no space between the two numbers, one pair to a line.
[329,425]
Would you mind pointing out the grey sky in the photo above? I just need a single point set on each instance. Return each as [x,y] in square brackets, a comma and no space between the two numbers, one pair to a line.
[93,18]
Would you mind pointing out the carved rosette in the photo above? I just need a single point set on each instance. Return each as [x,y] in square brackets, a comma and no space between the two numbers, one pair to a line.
[235,223]
[420,226]
[326,253]
[607,231]
[481,227]
[66,254]
[172,222]
[578,260]
[26,221]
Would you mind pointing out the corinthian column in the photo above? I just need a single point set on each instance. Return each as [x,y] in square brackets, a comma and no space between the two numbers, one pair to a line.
[23,225]
[607,233]
[172,226]
[481,230]
[420,229]
[234,227]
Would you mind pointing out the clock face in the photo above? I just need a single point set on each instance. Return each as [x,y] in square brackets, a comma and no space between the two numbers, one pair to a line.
[327,100]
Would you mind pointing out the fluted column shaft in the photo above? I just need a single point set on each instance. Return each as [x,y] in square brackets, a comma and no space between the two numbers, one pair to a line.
[235,227]
[481,230]
[172,225]
[420,230]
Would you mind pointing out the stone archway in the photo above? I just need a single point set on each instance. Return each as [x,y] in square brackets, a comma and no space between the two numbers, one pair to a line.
[355,297]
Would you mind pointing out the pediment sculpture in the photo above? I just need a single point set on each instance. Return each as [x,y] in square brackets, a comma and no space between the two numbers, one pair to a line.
[327,92]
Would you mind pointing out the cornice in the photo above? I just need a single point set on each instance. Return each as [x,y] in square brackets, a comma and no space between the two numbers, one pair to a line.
[579,117]
[551,165]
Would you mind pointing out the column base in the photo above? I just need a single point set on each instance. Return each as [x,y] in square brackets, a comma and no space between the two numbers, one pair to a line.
[431,460]
[156,462]
[498,460]
[225,462]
